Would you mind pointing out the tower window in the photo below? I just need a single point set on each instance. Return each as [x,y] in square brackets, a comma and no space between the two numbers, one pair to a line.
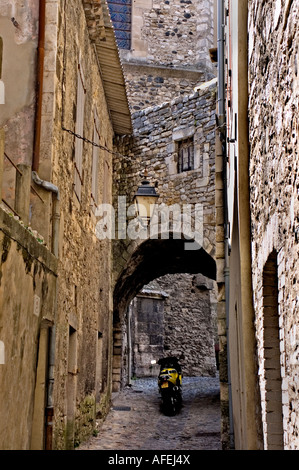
[186,155]
[120,12]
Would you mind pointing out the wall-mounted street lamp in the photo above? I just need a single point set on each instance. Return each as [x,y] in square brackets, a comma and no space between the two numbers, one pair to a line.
[145,200]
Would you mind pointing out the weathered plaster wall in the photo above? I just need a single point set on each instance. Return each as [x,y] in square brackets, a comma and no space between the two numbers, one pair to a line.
[26,267]
[273,112]
[19,32]
[19,37]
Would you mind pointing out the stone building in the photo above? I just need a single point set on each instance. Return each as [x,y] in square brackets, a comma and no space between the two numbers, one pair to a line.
[164,47]
[260,69]
[165,50]
[171,245]
[59,113]
[175,315]
[274,165]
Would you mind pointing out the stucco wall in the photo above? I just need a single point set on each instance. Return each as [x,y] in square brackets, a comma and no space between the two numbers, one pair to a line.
[19,32]
[27,267]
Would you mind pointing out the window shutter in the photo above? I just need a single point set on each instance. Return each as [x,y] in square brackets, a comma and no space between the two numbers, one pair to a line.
[79,130]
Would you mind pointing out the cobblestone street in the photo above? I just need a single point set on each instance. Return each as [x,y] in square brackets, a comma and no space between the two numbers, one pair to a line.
[136,422]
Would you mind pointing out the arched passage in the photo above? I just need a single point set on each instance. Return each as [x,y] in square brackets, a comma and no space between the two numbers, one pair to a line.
[152,259]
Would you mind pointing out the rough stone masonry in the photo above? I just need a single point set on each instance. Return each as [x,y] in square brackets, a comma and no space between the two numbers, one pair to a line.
[274,163]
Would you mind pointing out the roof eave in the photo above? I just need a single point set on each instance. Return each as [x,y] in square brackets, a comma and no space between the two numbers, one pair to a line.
[102,35]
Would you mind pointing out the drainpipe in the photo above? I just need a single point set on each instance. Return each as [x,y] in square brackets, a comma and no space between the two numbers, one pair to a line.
[56,209]
[36,152]
[50,404]
[49,412]
[220,67]
[40,81]
[222,131]
[129,314]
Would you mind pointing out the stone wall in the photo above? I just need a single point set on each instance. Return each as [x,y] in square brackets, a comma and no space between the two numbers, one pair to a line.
[154,147]
[157,131]
[274,163]
[153,85]
[56,126]
[28,265]
[175,315]
[176,33]
[190,322]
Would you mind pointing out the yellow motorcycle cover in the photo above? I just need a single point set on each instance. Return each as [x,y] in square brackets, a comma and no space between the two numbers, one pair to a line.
[173,375]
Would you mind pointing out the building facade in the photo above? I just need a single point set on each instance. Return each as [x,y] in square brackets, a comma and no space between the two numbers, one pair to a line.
[56,167]
[260,43]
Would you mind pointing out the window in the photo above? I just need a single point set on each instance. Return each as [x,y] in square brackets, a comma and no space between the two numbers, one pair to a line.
[78,180]
[120,12]
[2,353]
[1,54]
[95,163]
[106,182]
[186,155]
[71,388]
[2,94]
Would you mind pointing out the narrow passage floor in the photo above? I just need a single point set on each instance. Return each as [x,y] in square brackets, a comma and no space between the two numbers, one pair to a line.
[135,421]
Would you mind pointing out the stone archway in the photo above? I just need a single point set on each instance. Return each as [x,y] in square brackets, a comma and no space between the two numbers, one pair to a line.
[152,258]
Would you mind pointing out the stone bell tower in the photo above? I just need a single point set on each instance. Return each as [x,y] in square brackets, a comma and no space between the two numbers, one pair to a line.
[164,47]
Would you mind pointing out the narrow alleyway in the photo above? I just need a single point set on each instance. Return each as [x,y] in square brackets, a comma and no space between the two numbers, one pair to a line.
[136,422]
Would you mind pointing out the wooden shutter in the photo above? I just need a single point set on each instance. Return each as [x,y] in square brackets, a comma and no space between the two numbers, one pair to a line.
[79,130]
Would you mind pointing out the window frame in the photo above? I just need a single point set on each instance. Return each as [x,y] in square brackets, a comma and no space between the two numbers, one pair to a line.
[183,146]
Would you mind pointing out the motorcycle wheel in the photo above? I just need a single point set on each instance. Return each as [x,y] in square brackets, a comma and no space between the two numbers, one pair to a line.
[169,406]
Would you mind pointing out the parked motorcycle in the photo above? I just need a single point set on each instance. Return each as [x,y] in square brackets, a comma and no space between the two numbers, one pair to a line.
[170,385]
